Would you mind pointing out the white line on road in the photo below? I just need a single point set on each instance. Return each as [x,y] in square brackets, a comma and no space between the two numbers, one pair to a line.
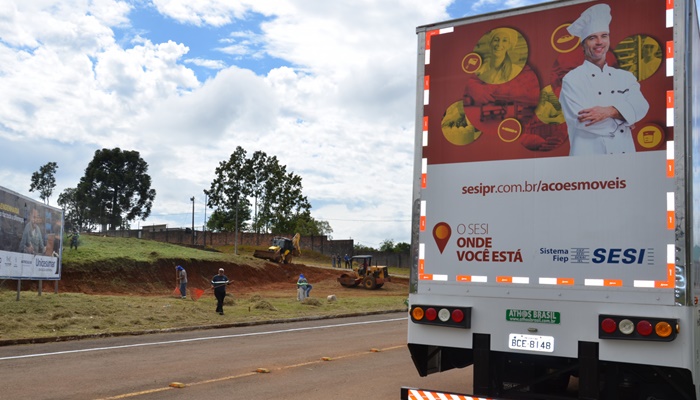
[200,338]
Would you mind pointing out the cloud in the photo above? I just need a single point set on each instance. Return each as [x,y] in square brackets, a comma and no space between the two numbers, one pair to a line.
[199,13]
[337,109]
[210,64]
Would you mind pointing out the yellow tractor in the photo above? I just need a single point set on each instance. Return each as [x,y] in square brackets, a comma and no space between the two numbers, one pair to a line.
[282,250]
[363,272]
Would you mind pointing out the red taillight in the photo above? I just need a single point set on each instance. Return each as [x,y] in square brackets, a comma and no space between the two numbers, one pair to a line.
[608,325]
[626,327]
[457,315]
[644,328]
[447,316]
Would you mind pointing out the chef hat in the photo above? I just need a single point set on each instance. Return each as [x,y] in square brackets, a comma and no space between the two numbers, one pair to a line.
[595,19]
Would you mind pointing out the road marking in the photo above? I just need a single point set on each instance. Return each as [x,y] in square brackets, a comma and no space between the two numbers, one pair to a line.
[126,346]
[227,378]
[163,389]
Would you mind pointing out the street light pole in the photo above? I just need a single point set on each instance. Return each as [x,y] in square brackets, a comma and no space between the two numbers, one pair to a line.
[235,238]
[192,198]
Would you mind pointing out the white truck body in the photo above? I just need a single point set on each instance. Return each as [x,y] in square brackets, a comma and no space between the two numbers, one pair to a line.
[541,251]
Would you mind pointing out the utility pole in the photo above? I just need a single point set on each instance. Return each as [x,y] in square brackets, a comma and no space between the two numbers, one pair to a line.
[235,238]
[192,198]
[204,228]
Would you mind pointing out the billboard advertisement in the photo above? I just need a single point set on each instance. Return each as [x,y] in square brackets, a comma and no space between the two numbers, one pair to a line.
[31,238]
[544,149]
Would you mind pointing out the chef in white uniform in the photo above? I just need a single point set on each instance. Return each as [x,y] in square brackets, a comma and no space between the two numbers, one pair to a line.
[600,103]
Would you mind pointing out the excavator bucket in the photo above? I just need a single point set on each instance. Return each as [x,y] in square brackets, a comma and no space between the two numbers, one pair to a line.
[273,256]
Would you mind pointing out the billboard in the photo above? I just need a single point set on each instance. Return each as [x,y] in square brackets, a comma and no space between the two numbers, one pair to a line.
[541,168]
[495,85]
[31,238]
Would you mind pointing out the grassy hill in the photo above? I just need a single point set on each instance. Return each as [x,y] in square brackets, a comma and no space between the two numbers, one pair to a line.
[114,286]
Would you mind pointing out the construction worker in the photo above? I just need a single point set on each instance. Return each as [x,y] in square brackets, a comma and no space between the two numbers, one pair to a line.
[219,283]
[181,275]
[304,285]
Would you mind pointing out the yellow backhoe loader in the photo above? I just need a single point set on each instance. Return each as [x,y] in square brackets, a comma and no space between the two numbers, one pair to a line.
[363,272]
[282,250]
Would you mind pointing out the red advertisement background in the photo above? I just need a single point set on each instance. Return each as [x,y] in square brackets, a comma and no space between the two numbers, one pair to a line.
[447,79]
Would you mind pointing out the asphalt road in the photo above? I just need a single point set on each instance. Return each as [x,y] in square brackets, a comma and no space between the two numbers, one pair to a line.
[347,358]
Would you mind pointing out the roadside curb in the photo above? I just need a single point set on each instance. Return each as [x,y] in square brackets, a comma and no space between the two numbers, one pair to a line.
[11,342]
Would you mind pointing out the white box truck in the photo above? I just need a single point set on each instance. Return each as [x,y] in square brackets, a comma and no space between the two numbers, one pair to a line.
[555,233]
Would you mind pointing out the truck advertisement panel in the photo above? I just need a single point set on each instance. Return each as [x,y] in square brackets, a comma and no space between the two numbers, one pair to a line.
[542,168]
[30,238]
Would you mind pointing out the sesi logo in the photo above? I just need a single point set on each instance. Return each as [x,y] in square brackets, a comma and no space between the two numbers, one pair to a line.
[620,256]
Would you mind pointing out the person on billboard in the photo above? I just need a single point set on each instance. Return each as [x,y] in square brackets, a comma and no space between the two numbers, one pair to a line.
[498,67]
[650,60]
[32,237]
[504,78]
[600,103]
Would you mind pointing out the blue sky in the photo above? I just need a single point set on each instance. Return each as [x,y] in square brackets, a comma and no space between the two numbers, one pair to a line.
[321,85]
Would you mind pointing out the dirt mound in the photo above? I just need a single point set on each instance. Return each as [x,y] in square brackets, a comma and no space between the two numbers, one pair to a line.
[126,277]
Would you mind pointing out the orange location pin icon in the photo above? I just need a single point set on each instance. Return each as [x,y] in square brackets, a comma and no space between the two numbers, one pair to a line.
[441,234]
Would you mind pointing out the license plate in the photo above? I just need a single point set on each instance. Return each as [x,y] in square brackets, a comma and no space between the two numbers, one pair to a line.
[544,344]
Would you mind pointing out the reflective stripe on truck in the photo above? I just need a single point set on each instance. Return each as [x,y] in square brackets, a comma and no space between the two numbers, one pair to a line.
[418,394]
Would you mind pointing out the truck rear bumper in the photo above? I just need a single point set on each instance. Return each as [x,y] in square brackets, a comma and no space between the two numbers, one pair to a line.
[421,394]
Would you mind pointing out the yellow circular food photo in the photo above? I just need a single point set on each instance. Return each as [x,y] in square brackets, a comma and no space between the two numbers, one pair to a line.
[456,126]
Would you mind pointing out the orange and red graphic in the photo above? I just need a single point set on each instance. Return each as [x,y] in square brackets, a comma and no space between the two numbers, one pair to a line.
[441,234]
[650,136]
[509,130]
[471,63]
[563,41]
[497,96]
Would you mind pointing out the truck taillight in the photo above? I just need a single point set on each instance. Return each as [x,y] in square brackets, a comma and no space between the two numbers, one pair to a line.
[457,317]
[637,328]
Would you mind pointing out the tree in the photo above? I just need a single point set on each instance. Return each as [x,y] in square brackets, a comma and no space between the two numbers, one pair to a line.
[74,213]
[116,188]
[387,245]
[256,173]
[44,181]
[224,221]
[277,195]
[229,191]
[306,225]
[282,200]
[402,247]
[362,249]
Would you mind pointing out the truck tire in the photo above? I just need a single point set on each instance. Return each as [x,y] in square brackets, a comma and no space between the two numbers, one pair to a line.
[370,283]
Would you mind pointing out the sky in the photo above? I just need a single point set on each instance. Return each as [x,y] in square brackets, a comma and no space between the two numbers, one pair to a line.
[328,87]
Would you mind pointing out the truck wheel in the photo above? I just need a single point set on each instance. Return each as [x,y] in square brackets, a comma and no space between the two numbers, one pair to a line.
[370,283]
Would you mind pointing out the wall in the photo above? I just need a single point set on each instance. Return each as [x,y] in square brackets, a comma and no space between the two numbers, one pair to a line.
[319,244]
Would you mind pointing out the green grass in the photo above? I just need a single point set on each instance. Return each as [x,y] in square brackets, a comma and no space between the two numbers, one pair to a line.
[97,249]
[94,249]
[66,315]
[73,314]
